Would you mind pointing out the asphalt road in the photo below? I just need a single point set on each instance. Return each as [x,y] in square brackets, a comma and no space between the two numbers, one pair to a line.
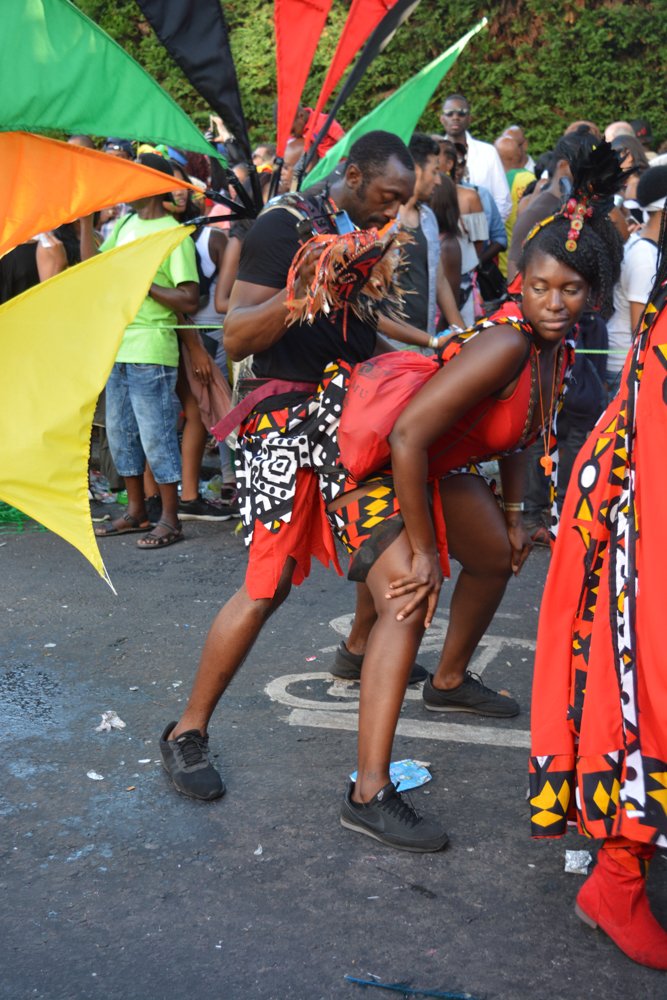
[120,888]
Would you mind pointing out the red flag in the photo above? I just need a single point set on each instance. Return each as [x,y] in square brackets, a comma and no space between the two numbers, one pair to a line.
[364,16]
[298,25]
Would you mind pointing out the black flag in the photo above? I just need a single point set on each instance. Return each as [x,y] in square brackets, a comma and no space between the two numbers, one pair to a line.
[195,34]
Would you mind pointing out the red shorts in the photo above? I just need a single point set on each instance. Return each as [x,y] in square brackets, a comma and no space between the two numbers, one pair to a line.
[305,535]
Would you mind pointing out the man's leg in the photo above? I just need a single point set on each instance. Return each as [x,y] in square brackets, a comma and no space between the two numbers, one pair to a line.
[477,538]
[229,640]
[152,390]
[350,653]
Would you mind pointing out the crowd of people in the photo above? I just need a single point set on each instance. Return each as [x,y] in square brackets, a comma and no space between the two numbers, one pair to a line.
[522,285]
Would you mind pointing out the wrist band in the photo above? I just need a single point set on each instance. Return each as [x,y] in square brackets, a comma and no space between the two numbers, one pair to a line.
[513,507]
[433,342]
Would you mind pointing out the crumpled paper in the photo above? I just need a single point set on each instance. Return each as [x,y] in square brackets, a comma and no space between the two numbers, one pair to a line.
[577,862]
[110,720]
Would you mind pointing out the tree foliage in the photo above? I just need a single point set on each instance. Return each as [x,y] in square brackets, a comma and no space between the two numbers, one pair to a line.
[539,63]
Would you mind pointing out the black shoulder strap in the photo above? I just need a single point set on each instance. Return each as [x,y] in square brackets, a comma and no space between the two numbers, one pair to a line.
[316,209]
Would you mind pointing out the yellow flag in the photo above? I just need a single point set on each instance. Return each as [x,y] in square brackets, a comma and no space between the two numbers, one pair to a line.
[58,342]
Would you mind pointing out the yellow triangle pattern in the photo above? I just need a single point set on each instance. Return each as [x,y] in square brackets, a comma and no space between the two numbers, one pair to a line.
[585,512]
[545,802]
[661,798]
[603,800]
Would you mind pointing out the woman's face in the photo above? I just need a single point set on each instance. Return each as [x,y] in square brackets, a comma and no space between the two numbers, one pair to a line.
[179,198]
[627,159]
[554,297]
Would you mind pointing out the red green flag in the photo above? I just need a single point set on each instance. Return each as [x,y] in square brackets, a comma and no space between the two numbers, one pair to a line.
[400,112]
[364,16]
[58,70]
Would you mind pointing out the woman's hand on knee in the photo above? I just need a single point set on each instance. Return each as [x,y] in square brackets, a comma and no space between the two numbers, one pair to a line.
[423,583]
[520,544]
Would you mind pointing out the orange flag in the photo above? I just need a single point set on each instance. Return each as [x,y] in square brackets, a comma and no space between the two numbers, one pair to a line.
[44,183]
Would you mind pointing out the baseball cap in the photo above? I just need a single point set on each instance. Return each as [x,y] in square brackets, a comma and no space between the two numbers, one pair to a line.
[121,145]
[642,130]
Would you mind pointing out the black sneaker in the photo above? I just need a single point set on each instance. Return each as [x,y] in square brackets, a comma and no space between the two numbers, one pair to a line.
[347,667]
[229,500]
[187,762]
[470,696]
[391,820]
[202,510]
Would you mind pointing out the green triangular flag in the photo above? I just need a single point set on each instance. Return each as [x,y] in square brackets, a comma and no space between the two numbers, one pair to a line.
[58,70]
[400,112]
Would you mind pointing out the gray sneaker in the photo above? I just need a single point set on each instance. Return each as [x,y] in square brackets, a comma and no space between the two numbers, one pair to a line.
[470,696]
[187,762]
[389,818]
[347,666]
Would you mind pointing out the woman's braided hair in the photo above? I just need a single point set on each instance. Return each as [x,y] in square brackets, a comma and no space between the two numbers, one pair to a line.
[596,251]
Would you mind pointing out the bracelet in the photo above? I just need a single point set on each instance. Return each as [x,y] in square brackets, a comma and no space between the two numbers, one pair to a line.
[433,342]
[513,506]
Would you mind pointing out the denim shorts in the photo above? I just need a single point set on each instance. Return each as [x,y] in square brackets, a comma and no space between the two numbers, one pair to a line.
[141,420]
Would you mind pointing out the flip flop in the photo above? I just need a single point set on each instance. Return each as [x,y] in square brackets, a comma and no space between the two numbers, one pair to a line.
[152,541]
[105,530]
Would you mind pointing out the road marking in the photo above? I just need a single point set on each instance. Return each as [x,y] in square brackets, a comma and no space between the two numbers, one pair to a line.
[434,639]
[342,713]
[445,731]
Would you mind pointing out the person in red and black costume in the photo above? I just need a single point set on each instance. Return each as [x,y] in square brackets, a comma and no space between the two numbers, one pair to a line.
[281,506]
[307,126]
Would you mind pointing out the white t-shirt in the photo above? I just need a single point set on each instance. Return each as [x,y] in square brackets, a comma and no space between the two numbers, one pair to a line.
[640,258]
[485,169]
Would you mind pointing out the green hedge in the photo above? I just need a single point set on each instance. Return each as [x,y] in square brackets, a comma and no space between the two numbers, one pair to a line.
[540,64]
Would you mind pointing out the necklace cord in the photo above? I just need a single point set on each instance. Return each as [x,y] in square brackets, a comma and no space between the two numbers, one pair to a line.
[546,461]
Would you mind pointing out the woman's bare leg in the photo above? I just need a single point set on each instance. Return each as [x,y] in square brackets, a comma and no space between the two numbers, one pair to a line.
[364,619]
[477,538]
[390,653]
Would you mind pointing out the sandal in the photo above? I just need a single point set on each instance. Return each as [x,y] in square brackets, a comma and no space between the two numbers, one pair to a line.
[541,536]
[153,541]
[134,525]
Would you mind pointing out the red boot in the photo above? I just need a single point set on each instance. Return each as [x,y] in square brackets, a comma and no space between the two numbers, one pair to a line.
[614,899]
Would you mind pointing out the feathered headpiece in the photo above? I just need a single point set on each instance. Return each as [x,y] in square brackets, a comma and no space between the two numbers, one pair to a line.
[596,177]
[354,270]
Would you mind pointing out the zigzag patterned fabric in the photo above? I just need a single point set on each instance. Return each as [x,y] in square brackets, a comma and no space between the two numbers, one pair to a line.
[599,740]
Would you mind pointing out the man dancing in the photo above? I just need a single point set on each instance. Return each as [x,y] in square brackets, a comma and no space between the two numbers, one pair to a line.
[288,364]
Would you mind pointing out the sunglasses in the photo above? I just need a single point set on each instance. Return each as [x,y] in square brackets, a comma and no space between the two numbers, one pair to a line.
[457,112]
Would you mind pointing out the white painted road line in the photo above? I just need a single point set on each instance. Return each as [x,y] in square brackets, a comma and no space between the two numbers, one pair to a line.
[443,731]
[344,715]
